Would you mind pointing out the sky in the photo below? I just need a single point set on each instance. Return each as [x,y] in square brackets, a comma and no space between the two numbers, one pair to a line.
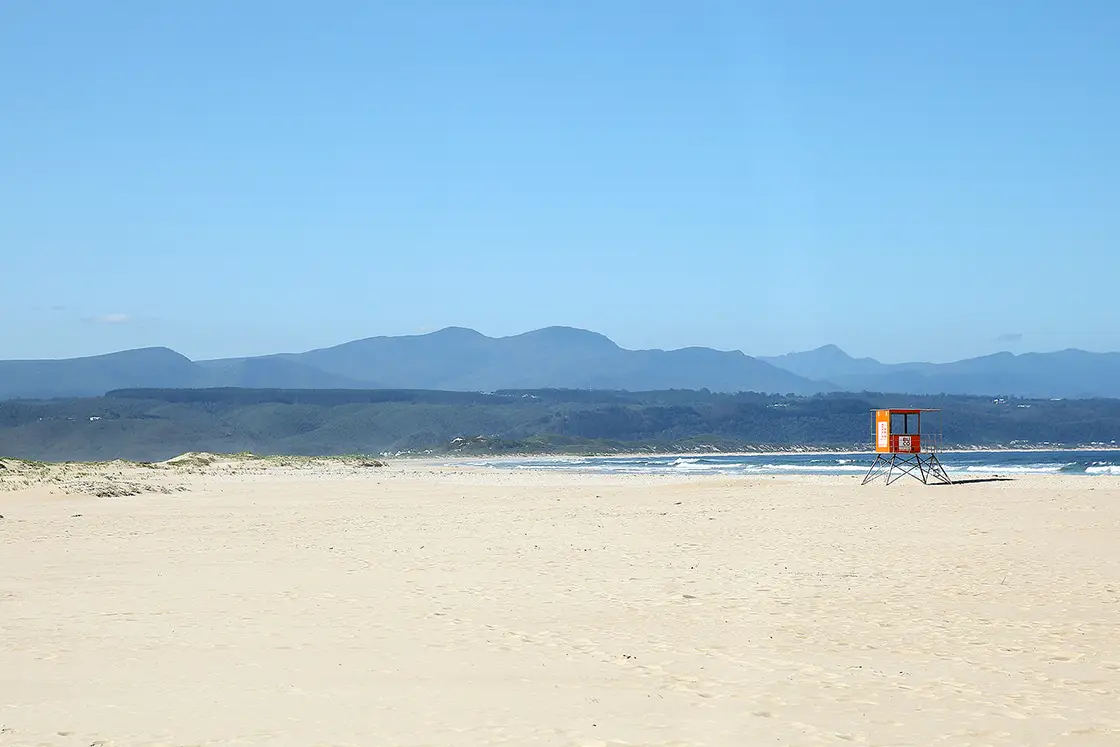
[909,181]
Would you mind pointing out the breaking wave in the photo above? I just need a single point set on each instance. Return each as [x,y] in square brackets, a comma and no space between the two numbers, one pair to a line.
[972,463]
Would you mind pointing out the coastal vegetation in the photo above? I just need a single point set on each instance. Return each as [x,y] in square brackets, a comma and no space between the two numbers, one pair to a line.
[158,424]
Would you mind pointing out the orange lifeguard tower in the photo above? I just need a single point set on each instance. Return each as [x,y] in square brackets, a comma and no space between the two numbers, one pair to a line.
[902,447]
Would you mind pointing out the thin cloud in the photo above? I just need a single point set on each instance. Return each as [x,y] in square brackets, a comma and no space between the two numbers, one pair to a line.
[112,319]
[1010,337]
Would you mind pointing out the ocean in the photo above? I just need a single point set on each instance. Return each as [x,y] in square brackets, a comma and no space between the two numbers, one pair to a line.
[966,463]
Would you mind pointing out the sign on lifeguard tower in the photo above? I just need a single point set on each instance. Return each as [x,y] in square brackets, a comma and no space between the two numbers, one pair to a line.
[902,447]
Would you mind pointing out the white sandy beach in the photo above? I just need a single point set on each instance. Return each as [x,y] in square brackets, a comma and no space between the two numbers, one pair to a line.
[421,605]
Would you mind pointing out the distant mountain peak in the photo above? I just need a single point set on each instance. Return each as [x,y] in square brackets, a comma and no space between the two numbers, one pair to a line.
[824,363]
[565,335]
[156,352]
[829,349]
[560,329]
[456,333]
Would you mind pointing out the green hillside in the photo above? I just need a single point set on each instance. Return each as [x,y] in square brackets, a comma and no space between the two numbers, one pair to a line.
[156,424]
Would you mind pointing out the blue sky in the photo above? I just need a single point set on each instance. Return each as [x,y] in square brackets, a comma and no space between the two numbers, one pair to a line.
[906,180]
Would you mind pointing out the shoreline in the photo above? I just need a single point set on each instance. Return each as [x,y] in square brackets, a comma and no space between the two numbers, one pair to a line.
[372,459]
[698,455]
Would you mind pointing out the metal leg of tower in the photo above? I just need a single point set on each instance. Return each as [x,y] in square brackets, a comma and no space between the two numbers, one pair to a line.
[907,466]
[877,468]
[937,470]
[924,469]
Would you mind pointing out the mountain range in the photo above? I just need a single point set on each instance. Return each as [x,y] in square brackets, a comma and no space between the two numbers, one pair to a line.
[459,359]
[1065,373]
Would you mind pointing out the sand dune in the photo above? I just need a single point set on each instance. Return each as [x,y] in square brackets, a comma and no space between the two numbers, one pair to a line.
[330,603]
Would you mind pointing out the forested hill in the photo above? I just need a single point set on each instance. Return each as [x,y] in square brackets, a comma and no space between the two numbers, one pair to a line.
[153,424]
